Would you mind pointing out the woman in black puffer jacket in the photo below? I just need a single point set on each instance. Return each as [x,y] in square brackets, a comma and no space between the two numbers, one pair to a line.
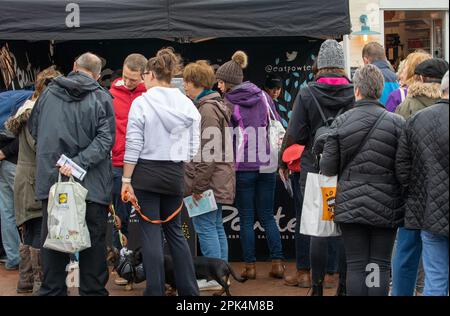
[361,149]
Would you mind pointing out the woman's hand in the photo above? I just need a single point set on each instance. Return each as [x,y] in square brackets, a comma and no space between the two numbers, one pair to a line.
[126,187]
[196,197]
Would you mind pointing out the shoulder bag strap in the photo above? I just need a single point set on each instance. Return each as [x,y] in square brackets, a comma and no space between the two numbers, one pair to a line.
[366,138]
[318,106]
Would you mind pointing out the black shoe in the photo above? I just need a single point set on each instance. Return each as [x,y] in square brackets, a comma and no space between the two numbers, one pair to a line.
[317,289]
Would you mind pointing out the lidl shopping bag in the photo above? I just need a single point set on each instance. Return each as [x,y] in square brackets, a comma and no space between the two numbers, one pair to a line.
[318,206]
[67,228]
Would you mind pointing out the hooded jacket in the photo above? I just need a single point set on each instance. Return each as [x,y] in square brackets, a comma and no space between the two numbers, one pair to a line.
[390,79]
[250,118]
[163,125]
[163,132]
[420,96]
[123,98]
[333,94]
[422,166]
[25,204]
[74,116]
[368,191]
[203,174]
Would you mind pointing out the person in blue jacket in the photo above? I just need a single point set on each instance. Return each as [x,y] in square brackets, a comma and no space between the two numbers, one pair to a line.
[373,53]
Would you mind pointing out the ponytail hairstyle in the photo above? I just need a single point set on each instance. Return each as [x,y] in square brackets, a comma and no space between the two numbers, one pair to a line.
[165,65]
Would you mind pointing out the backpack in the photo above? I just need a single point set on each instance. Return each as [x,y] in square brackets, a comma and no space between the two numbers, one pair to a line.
[322,132]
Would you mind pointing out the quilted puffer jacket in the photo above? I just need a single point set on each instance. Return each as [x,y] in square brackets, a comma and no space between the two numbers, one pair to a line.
[368,191]
[423,168]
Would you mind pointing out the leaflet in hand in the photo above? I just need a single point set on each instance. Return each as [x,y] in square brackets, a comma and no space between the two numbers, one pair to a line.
[205,205]
[288,186]
[77,171]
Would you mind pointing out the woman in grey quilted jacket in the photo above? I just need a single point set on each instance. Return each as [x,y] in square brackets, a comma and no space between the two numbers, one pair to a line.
[361,150]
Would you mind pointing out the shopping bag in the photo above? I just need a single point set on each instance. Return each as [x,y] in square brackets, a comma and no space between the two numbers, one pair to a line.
[67,228]
[318,206]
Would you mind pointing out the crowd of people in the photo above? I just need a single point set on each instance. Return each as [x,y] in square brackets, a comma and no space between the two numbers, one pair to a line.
[387,141]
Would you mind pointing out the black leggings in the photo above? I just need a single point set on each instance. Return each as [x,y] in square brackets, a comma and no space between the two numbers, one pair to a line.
[319,258]
[32,232]
[368,248]
[160,206]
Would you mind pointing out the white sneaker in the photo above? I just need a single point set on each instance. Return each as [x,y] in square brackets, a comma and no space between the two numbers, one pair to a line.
[205,285]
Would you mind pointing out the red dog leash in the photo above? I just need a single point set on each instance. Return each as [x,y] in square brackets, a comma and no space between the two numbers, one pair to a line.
[128,197]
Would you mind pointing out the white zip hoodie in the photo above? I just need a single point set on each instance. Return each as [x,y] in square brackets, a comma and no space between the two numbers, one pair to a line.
[163,125]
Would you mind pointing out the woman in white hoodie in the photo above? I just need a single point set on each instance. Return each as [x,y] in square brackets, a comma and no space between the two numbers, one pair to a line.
[163,132]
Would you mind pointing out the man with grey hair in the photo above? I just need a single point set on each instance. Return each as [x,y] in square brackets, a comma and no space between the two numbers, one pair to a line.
[74,116]
[422,168]
[361,149]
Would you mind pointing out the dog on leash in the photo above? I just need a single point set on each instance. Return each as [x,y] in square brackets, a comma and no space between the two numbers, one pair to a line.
[205,268]
[127,264]
[130,267]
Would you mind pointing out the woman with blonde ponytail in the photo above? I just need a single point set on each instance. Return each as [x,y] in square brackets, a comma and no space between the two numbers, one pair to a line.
[252,109]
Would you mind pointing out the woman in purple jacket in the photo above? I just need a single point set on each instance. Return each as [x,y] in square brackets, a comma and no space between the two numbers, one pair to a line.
[255,164]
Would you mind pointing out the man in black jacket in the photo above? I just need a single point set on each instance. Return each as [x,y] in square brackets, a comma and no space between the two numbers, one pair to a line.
[422,166]
[74,116]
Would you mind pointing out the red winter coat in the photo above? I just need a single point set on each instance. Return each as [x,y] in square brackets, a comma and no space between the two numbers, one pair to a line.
[122,104]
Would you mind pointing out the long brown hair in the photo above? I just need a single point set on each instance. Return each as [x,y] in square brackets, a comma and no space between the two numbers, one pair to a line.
[330,71]
[42,79]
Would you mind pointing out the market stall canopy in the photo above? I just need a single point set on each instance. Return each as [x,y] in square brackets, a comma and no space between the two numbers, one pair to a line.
[180,19]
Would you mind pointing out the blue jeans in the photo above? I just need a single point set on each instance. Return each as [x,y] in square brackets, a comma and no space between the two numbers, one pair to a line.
[435,263]
[211,234]
[10,234]
[255,193]
[123,210]
[405,263]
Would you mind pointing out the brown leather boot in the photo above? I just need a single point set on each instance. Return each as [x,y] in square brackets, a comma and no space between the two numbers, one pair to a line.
[25,283]
[277,269]
[249,271]
[301,279]
[292,280]
[304,279]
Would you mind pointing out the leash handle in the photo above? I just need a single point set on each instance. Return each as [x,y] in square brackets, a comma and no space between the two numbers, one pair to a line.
[113,211]
[128,197]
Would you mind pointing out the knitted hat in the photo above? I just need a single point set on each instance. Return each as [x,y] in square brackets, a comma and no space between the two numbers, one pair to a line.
[231,71]
[331,55]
